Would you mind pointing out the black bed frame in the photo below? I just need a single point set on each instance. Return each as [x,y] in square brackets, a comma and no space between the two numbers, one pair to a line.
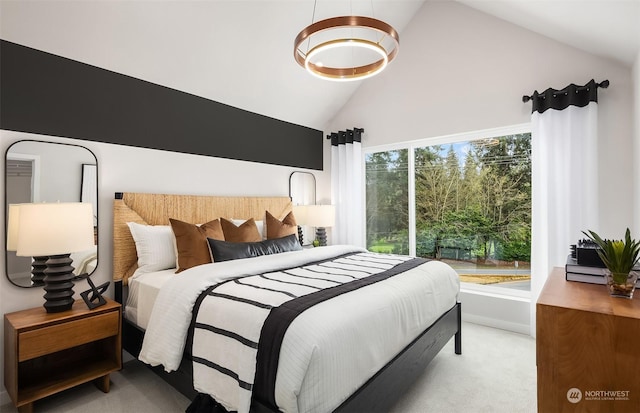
[378,394]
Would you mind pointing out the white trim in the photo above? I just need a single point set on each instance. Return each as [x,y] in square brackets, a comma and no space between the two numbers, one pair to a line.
[496,292]
[457,137]
[496,323]
[507,313]
[411,193]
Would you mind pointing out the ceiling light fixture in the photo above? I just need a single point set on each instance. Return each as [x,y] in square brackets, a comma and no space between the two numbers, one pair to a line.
[377,39]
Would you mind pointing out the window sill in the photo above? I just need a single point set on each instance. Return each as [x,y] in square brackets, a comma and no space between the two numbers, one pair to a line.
[494,307]
[496,292]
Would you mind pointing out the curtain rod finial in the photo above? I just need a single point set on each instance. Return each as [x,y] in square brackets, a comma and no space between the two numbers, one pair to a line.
[526,98]
[604,84]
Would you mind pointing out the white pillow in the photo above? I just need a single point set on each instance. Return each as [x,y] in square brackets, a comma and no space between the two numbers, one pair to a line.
[259,224]
[155,245]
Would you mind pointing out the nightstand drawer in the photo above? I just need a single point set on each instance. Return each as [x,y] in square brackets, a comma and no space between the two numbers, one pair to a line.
[58,337]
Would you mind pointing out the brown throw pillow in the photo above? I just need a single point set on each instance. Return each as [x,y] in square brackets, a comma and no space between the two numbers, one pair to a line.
[247,232]
[279,229]
[191,242]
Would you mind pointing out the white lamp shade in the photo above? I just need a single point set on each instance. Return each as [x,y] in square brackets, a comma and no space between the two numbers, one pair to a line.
[54,229]
[300,212]
[12,227]
[319,216]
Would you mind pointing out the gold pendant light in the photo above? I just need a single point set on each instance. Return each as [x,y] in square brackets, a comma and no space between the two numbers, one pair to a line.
[375,43]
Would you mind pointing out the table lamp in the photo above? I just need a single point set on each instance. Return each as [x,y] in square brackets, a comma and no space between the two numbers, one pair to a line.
[38,264]
[318,216]
[300,212]
[55,230]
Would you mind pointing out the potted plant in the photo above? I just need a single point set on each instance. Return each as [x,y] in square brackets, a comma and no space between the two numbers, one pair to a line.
[620,257]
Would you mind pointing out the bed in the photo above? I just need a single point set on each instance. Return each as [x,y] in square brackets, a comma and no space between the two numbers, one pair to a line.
[302,381]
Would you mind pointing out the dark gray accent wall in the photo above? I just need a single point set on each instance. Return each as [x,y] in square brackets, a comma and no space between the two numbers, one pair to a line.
[50,95]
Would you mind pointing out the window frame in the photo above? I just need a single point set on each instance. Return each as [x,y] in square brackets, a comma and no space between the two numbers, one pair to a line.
[410,146]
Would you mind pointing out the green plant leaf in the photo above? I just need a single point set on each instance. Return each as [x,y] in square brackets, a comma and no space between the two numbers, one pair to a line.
[619,256]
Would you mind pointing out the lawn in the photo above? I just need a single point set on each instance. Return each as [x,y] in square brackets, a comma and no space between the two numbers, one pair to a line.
[492,279]
[382,248]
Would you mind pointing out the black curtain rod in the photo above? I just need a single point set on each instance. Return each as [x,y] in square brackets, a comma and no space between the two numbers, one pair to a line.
[604,84]
[356,130]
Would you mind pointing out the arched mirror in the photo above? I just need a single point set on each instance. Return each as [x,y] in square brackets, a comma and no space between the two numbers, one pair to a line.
[302,191]
[37,171]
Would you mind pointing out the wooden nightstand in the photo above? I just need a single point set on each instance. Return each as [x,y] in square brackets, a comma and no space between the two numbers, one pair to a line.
[587,348]
[45,353]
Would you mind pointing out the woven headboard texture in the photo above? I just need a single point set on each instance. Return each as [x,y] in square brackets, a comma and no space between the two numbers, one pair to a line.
[156,209]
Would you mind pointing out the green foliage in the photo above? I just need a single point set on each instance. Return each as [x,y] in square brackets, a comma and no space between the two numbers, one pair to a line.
[481,208]
[382,247]
[620,256]
[514,251]
[387,190]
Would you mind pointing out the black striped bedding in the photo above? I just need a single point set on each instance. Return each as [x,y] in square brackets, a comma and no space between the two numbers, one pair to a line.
[327,350]
[274,299]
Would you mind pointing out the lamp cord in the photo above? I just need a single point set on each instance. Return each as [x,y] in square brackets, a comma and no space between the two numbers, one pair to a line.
[373,14]
[313,15]
[313,18]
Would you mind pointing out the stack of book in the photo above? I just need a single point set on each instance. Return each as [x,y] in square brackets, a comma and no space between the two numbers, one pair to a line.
[583,273]
[586,273]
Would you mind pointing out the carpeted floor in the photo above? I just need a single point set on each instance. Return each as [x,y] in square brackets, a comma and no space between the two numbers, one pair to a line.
[495,373]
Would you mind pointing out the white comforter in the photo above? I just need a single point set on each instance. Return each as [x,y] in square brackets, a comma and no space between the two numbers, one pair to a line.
[307,379]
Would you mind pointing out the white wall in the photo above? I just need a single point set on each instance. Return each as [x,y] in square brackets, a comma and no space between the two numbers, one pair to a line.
[127,169]
[460,70]
[60,170]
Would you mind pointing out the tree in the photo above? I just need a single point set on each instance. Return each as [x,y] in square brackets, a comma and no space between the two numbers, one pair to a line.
[480,208]
[386,181]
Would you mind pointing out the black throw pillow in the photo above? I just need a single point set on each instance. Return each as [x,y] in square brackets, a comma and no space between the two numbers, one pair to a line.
[225,251]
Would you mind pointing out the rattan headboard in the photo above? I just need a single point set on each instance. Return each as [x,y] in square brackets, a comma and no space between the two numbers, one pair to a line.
[156,209]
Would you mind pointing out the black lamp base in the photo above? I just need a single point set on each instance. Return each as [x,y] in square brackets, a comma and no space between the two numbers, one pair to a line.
[57,284]
[321,236]
[38,265]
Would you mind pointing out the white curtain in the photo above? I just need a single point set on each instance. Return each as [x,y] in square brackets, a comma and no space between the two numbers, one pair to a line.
[346,187]
[564,178]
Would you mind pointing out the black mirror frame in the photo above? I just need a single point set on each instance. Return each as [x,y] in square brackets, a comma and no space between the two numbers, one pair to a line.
[315,195]
[302,231]
[6,207]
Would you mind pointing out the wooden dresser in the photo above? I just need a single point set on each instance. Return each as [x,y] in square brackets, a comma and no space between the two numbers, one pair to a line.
[587,348]
[45,353]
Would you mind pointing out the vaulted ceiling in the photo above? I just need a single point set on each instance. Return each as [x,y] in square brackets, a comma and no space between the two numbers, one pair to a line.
[241,52]
[609,28]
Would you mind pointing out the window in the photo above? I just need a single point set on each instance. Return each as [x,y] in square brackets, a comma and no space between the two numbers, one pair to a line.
[387,204]
[465,200]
